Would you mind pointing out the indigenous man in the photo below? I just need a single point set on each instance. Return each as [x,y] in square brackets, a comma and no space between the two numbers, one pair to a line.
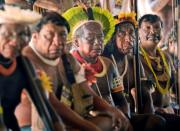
[88,40]
[46,51]
[13,37]
[157,67]
[100,71]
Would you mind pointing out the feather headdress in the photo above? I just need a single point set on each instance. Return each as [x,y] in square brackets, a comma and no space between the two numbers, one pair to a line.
[126,17]
[76,16]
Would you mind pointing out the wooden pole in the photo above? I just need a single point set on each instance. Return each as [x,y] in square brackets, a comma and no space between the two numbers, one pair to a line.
[137,65]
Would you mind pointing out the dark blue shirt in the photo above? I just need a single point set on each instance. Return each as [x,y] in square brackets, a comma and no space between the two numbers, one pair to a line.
[10,91]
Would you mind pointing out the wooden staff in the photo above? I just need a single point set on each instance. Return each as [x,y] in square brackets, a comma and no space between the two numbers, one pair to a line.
[139,105]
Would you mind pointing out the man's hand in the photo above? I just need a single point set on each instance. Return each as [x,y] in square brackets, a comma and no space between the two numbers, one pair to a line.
[120,121]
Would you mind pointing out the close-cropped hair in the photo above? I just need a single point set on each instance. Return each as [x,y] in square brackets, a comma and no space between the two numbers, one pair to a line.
[51,17]
[150,18]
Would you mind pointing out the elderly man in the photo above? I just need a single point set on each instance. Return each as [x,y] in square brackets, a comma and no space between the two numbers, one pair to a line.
[100,71]
[14,77]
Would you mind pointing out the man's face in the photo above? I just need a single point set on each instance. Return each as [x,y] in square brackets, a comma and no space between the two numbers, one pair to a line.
[13,38]
[50,41]
[150,33]
[125,37]
[90,43]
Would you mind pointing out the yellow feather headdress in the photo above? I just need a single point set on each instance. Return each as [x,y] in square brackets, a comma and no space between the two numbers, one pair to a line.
[127,16]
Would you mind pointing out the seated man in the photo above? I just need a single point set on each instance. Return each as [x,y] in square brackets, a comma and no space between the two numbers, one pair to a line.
[88,38]
[99,71]
[46,52]
[14,74]
[158,68]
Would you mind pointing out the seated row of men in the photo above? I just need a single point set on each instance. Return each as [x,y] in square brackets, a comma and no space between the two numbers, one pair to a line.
[84,87]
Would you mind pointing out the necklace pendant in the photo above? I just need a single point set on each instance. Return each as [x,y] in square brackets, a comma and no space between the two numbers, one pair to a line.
[159,67]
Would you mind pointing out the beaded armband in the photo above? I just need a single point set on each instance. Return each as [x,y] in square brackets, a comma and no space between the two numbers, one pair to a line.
[117,84]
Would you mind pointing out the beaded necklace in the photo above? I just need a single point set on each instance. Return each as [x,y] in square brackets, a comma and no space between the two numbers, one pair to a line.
[94,69]
[159,87]
[104,69]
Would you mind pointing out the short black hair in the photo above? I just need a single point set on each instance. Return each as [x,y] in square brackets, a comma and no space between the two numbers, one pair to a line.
[54,18]
[150,18]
